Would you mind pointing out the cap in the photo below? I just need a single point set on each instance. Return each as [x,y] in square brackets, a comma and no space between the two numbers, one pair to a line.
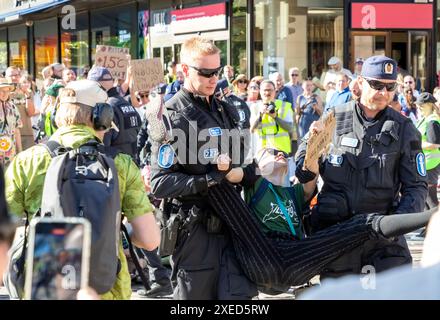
[87,92]
[99,74]
[425,97]
[379,67]
[333,60]
[359,60]
[54,89]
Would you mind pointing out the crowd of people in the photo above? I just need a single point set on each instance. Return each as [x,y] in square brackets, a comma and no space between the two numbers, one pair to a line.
[373,170]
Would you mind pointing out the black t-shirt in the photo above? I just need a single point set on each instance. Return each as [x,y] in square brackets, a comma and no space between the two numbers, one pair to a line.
[433,132]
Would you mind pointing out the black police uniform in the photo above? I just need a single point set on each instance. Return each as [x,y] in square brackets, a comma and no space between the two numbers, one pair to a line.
[371,167]
[128,121]
[204,263]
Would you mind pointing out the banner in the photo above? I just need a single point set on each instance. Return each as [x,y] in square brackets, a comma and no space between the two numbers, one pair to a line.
[113,58]
[146,74]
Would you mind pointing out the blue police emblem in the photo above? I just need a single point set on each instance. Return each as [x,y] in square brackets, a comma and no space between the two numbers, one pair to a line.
[210,153]
[421,165]
[242,115]
[335,159]
[165,156]
[214,132]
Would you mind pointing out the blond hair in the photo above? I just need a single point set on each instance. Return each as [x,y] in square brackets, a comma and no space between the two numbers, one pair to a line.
[69,114]
[195,47]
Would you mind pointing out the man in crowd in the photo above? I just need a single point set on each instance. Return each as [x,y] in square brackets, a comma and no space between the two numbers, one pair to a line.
[342,93]
[294,84]
[282,92]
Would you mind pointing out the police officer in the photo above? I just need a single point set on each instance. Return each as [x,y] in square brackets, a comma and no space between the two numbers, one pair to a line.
[126,119]
[375,164]
[203,260]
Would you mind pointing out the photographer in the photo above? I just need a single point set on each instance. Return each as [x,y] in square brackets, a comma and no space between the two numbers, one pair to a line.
[274,125]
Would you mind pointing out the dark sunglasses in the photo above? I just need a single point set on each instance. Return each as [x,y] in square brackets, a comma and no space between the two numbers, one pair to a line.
[242,81]
[144,95]
[294,75]
[378,85]
[208,73]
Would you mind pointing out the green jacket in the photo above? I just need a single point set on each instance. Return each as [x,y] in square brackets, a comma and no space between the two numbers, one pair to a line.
[25,180]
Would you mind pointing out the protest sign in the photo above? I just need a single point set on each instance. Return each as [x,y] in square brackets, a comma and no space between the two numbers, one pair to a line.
[147,73]
[113,58]
[318,143]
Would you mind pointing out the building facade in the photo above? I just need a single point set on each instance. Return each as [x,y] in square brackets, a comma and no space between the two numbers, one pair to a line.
[257,37]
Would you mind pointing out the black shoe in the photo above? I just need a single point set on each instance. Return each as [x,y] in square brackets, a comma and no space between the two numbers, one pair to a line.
[157,290]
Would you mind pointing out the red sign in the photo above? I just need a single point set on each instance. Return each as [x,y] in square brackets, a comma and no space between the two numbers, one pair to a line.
[391,16]
[203,18]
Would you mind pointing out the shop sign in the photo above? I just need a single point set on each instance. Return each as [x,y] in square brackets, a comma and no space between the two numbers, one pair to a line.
[366,15]
[161,20]
[203,18]
[113,58]
[147,73]
[14,7]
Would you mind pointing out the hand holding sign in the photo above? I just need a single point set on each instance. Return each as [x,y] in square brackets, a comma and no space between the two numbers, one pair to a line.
[147,73]
[321,135]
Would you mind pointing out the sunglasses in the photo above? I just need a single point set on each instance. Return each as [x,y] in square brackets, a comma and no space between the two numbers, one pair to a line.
[378,85]
[242,81]
[294,75]
[144,95]
[208,73]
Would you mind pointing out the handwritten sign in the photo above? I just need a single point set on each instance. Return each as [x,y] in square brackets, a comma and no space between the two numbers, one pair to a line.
[113,58]
[147,73]
[318,143]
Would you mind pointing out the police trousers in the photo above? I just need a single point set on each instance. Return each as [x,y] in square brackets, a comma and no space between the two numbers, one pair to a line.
[205,267]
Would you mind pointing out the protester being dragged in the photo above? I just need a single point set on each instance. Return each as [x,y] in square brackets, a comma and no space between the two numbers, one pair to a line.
[429,127]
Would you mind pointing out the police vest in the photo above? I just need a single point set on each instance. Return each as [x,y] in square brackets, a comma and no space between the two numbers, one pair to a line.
[271,133]
[432,156]
[129,123]
[360,172]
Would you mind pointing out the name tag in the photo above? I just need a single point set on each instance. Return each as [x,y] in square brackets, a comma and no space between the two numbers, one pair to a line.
[349,142]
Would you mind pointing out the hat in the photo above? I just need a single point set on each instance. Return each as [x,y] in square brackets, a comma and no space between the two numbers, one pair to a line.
[238,78]
[359,60]
[333,60]
[54,89]
[425,97]
[99,74]
[87,92]
[379,67]
[5,84]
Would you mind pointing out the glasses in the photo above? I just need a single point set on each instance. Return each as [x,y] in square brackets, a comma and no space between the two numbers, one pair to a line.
[272,152]
[144,95]
[254,88]
[378,85]
[242,81]
[294,75]
[208,73]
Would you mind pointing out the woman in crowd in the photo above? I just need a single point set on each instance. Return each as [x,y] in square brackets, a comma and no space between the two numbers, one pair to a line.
[240,86]
[10,124]
[308,108]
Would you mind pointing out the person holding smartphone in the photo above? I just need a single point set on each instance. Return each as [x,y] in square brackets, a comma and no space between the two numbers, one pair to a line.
[309,108]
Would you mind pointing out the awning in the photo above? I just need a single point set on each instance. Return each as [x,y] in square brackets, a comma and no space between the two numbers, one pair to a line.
[32,8]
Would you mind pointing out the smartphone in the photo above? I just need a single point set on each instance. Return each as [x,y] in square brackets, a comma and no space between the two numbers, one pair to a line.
[58,258]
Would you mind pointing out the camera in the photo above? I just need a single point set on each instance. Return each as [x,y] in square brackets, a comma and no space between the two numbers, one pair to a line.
[270,107]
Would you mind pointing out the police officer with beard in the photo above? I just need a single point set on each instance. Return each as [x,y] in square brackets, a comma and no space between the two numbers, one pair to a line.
[203,259]
[375,164]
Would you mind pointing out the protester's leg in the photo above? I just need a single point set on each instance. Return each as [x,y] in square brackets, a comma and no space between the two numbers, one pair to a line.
[159,275]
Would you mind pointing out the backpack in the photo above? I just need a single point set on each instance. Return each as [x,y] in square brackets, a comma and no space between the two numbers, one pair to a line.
[82,182]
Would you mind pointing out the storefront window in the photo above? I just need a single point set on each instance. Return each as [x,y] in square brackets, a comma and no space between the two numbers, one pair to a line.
[75,45]
[238,38]
[288,35]
[46,44]
[112,27]
[18,47]
[3,51]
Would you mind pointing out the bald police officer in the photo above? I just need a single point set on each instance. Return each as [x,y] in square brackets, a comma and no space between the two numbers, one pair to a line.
[375,164]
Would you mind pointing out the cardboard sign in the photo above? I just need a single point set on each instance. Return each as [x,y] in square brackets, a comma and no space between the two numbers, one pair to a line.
[113,58]
[147,73]
[318,143]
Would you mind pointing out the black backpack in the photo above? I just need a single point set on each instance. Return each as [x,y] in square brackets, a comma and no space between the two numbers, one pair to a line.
[83,182]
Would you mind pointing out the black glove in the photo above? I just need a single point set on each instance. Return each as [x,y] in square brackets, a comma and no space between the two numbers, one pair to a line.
[303,176]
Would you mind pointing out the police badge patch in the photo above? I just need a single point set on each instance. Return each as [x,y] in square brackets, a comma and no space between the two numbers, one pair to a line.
[165,158]
[421,165]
